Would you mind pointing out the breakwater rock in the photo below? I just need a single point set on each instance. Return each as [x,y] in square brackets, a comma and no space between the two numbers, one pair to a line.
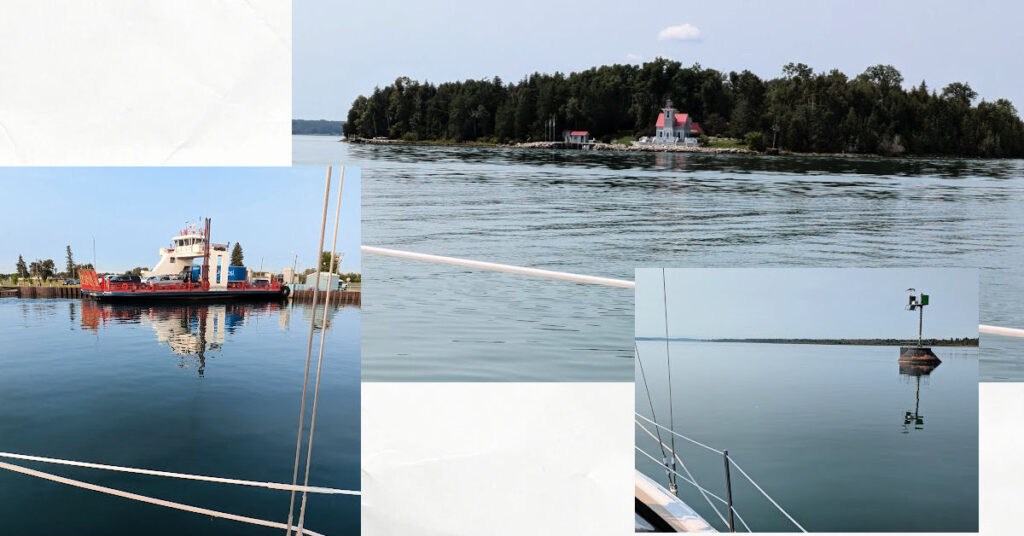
[635,147]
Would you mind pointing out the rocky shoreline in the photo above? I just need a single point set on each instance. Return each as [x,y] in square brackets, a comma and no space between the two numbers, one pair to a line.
[634,147]
[555,145]
[637,147]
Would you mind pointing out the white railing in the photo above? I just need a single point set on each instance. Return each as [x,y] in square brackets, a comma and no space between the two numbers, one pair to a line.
[575,278]
[693,481]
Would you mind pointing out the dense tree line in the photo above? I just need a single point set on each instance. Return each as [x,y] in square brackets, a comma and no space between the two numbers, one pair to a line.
[804,111]
[43,270]
[317,127]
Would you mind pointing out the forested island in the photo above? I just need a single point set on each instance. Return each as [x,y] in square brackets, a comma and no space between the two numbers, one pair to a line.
[799,111]
[319,127]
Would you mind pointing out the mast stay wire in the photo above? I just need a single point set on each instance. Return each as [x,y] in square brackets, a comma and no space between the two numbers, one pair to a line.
[309,353]
[323,337]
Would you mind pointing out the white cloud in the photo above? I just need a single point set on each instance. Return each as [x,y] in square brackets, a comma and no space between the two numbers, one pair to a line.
[634,57]
[683,32]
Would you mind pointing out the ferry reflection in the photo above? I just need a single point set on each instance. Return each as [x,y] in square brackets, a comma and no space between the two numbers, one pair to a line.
[913,420]
[193,332]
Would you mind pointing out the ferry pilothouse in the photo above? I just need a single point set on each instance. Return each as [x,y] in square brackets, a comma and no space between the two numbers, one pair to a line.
[191,268]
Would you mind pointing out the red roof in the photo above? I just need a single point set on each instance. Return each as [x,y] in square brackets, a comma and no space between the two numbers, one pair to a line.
[680,120]
[580,133]
[695,127]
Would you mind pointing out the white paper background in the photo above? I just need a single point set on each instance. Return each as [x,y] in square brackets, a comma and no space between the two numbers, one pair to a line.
[497,458]
[520,458]
[145,82]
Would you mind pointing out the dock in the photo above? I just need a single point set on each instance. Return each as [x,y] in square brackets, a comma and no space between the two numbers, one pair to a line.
[40,292]
[338,297]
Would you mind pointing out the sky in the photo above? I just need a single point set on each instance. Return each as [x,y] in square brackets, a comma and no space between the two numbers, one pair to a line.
[344,49]
[798,303]
[274,213]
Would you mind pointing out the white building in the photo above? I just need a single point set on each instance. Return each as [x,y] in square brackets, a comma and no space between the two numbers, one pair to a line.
[576,137]
[674,127]
[332,281]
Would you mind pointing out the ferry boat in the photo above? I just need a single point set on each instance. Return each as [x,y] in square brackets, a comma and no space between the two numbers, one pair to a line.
[193,268]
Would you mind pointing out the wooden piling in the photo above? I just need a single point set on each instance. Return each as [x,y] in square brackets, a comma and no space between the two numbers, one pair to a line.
[338,297]
[41,292]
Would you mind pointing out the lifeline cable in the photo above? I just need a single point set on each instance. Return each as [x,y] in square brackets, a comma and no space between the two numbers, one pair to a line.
[694,484]
[765,493]
[692,479]
[185,476]
[145,498]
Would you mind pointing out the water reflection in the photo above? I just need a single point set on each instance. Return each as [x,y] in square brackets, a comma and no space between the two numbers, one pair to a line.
[193,332]
[913,419]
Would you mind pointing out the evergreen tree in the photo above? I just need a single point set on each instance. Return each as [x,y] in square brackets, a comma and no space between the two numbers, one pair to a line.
[42,269]
[325,262]
[22,267]
[814,112]
[70,267]
[236,255]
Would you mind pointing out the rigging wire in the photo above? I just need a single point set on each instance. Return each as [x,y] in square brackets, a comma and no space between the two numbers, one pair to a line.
[681,436]
[320,357]
[668,363]
[664,458]
[309,354]
[692,479]
[710,493]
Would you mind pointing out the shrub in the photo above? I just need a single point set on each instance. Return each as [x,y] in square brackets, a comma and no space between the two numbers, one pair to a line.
[755,140]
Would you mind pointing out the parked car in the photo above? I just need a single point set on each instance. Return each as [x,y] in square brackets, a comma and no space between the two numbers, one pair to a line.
[164,280]
[124,279]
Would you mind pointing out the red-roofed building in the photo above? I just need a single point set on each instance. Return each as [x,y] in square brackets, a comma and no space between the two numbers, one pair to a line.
[576,136]
[674,127]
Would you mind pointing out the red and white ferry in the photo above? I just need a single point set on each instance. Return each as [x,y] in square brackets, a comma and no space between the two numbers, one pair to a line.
[193,268]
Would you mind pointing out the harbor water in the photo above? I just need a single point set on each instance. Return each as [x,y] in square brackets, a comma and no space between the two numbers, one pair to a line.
[842,437]
[211,389]
[608,213]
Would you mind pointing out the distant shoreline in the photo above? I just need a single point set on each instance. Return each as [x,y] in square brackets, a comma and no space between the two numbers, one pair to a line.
[950,343]
[617,147]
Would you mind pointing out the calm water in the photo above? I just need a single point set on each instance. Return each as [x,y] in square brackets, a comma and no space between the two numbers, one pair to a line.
[824,430]
[608,213]
[210,389]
